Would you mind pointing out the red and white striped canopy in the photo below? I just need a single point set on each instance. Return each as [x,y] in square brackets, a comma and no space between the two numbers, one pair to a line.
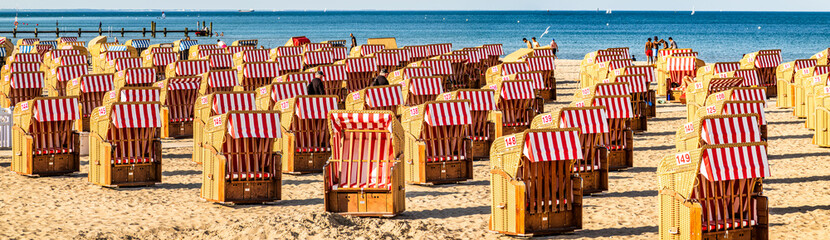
[480,100]
[289,51]
[732,163]
[43,48]
[366,50]
[439,67]
[669,52]
[767,60]
[770,51]
[621,51]
[384,96]
[543,52]
[426,86]
[52,110]
[420,51]
[387,58]
[404,53]
[205,53]
[620,63]
[755,107]
[537,77]
[192,67]
[552,146]
[254,55]
[57,53]
[136,116]
[588,119]
[67,39]
[318,57]
[287,90]
[112,55]
[201,47]
[821,70]
[648,71]
[126,63]
[139,75]
[805,63]
[225,78]
[226,102]
[685,54]
[220,61]
[261,70]
[341,121]
[411,72]
[254,125]
[161,50]
[637,83]
[511,90]
[290,62]
[730,129]
[315,107]
[724,67]
[163,59]
[447,113]
[66,73]
[28,57]
[26,80]
[367,64]
[183,83]
[723,84]
[513,68]
[314,46]
[24,67]
[96,83]
[296,77]
[237,49]
[139,95]
[339,53]
[71,60]
[333,72]
[439,48]
[750,77]
[600,59]
[30,41]
[612,89]
[541,63]
[617,107]
[493,49]
[680,64]
[456,58]
[474,55]
[755,94]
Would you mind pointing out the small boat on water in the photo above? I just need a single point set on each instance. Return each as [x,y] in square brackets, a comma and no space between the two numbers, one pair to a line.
[243,10]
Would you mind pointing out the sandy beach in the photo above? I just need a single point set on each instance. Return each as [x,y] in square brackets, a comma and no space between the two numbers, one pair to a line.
[70,207]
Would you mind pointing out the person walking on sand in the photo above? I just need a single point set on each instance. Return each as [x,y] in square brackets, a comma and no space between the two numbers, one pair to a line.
[672,44]
[554,46]
[315,86]
[354,41]
[527,43]
[535,44]
[649,46]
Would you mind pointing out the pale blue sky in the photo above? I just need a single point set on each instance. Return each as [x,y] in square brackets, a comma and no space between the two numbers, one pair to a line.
[700,5]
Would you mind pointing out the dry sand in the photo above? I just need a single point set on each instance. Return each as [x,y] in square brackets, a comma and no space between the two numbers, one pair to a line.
[70,207]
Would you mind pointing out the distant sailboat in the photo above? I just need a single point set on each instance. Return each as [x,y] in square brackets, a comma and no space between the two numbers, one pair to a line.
[693,10]
[608,11]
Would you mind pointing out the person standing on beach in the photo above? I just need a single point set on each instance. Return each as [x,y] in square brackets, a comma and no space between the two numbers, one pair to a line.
[315,86]
[354,41]
[380,80]
[527,43]
[672,43]
[221,44]
[535,44]
[656,46]
[649,46]
[665,44]
[554,46]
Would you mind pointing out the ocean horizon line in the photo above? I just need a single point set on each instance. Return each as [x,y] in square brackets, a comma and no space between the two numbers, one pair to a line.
[4,10]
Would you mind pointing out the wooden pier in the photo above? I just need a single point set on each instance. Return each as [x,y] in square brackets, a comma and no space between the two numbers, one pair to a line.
[152,31]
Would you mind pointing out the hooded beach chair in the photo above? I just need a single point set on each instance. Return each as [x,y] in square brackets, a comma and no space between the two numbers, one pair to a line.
[621,87]
[437,142]
[492,53]
[463,74]
[290,63]
[677,68]
[305,143]
[716,70]
[593,135]
[90,90]
[446,69]
[250,56]
[242,164]
[728,106]
[718,129]
[103,63]
[50,58]
[6,49]
[419,90]
[45,140]
[642,98]
[497,73]
[518,104]
[388,98]
[439,49]
[821,120]
[765,62]
[486,120]
[135,77]
[334,81]
[317,58]
[696,95]
[360,71]
[705,195]
[215,104]
[595,68]
[178,95]
[255,75]
[182,47]
[56,83]
[67,60]
[222,61]
[546,66]
[267,96]
[817,92]
[139,44]
[159,61]
[183,68]
[419,52]
[338,53]
[474,67]
[533,186]
[404,55]
[125,149]
[402,75]
[620,142]
[387,60]
[119,64]
[218,81]
[19,87]
[15,67]
[785,75]
[362,182]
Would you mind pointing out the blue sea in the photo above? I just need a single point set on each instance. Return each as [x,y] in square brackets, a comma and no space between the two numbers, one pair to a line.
[717,36]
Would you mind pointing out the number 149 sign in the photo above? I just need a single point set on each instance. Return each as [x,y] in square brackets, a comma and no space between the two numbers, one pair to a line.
[683,158]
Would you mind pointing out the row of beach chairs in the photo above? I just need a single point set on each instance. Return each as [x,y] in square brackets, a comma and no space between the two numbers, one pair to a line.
[804,87]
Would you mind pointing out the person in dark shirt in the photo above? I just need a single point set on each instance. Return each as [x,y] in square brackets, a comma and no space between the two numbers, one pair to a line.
[315,86]
[380,80]
[354,41]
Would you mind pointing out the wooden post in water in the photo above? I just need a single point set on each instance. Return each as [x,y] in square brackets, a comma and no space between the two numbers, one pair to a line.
[153,29]
[211,29]
[79,32]
[99,31]
[14,32]
[165,32]
[185,32]
[57,32]
[35,32]
[122,32]
[143,32]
